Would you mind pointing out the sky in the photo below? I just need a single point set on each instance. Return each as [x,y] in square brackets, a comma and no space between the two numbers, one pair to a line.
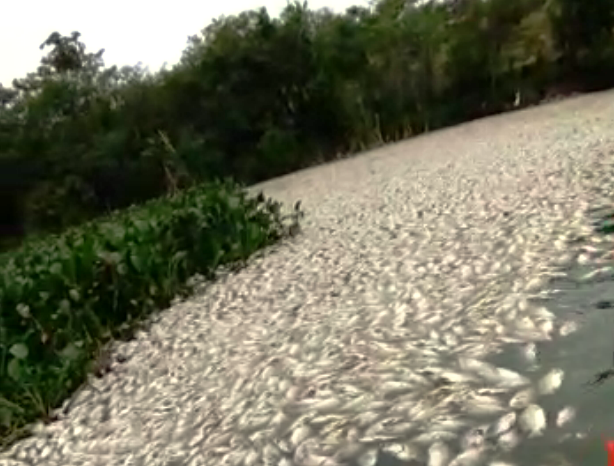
[130,31]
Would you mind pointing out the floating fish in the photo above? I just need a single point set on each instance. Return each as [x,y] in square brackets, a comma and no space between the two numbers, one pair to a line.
[483,405]
[522,399]
[430,437]
[302,433]
[530,352]
[469,457]
[533,420]
[474,438]
[504,424]
[402,452]
[509,440]
[438,454]
[568,328]
[565,415]
[368,458]
[511,379]
[551,382]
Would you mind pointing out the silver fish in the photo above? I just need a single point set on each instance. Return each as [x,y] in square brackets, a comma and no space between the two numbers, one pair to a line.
[469,457]
[483,405]
[394,388]
[350,451]
[432,436]
[449,423]
[509,440]
[368,458]
[565,415]
[530,352]
[551,382]
[474,438]
[533,420]
[522,399]
[302,433]
[402,452]
[505,423]
[568,328]
[438,454]
[311,459]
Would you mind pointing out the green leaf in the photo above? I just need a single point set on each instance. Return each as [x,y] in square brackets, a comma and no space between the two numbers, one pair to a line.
[74,294]
[71,352]
[24,310]
[65,305]
[5,417]
[19,350]
[136,262]
[14,369]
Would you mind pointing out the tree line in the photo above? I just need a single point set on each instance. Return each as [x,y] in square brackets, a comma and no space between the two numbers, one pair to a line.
[254,97]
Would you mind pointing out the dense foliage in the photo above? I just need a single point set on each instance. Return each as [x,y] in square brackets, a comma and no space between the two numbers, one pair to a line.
[254,97]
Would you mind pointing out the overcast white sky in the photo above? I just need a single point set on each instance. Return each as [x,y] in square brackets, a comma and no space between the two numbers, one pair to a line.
[129,30]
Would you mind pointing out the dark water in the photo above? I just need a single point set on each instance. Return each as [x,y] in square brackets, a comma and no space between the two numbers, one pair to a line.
[582,355]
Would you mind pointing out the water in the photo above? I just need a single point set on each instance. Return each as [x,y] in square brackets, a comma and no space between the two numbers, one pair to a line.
[581,355]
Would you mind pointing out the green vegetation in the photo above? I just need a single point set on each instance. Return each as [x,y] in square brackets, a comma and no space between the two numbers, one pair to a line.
[253,97]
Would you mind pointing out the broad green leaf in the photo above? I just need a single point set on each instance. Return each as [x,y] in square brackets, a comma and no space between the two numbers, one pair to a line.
[23,310]
[70,352]
[19,350]
[14,369]
[74,294]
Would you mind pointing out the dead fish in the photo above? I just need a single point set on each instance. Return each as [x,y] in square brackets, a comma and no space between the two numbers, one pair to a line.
[401,452]
[480,368]
[455,377]
[350,451]
[368,458]
[394,388]
[252,458]
[568,328]
[543,313]
[504,424]
[522,399]
[450,424]
[509,440]
[500,376]
[302,433]
[303,454]
[511,379]
[603,272]
[525,323]
[483,405]
[474,438]
[469,457]
[565,415]
[500,463]
[551,382]
[438,454]
[326,406]
[401,429]
[367,418]
[546,327]
[533,420]
[530,352]
[430,437]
